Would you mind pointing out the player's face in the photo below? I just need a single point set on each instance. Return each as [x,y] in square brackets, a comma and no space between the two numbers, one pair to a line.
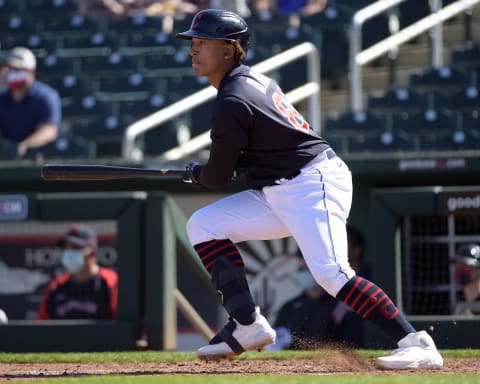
[211,58]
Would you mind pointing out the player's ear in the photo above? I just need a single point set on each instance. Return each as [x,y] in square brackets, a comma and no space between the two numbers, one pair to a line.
[228,51]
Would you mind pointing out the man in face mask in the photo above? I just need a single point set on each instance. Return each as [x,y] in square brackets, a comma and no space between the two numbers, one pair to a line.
[86,290]
[30,111]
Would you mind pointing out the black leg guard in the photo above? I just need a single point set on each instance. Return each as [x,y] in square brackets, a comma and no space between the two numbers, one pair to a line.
[231,282]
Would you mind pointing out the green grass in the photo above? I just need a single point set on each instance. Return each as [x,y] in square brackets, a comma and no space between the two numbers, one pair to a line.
[152,356]
[434,377]
[265,379]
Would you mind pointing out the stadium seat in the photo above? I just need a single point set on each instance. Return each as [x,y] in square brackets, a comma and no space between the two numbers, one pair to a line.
[71,86]
[15,26]
[267,22]
[73,25]
[464,100]
[112,65]
[133,86]
[399,100]
[455,140]
[361,123]
[385,141]
[53,6]
[470,120]
[138,23]
[441,80]
[333,25]
[65,148]
[106,131]
[95,43]
[85,107]
[37,43]
[8,150]
[150,42]
[427,122]
[52,66]
[135,109]
[158,140]
[8,6]
[181,86]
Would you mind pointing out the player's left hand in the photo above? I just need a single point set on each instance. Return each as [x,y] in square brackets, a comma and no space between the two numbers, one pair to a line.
[189,174]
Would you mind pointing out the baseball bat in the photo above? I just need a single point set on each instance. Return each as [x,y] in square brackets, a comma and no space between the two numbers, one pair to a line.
[101,172]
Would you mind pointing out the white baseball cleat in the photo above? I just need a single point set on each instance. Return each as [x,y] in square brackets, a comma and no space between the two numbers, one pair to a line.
[416,350]
[239,338]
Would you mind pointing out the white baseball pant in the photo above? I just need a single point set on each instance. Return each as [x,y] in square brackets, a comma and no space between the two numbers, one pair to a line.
[312,207]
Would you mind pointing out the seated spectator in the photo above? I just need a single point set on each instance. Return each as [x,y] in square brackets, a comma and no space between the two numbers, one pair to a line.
[314,317]
[30,111]
[298,8]
[467,276]
[86,290]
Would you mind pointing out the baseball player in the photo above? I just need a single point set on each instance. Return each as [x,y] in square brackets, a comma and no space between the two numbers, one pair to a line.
[298,187]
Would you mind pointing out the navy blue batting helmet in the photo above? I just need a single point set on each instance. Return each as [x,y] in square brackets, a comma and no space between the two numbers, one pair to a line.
[218,24]
[469,254]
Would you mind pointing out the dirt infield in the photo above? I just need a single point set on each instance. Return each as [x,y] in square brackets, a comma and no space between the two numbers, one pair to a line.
[346,364]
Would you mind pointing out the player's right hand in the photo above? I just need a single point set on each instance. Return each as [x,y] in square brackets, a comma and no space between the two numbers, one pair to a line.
[189,174]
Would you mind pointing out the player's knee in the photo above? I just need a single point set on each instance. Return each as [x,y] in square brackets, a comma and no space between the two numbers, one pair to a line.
[332,280]
[197,230]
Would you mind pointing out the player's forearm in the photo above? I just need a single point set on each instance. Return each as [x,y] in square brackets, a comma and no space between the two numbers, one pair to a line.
[44,135]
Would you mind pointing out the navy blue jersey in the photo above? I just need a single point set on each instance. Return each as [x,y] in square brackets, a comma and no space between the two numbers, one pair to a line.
[256,131]
[19,120]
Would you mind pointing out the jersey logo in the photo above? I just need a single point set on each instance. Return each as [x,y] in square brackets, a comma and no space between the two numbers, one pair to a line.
[288,110]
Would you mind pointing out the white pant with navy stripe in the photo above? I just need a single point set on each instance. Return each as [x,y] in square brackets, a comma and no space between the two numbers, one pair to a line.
[312,207]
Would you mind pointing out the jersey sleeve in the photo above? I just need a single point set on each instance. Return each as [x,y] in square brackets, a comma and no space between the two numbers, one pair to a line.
[229,135]
[51,108]
[42,313]
[111,279]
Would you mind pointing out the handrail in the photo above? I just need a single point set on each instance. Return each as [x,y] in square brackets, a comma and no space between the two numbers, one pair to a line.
[310,90]
[358,59]
[358,19]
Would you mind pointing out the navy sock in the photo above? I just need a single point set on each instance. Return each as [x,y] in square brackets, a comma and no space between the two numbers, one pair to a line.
[225,265]
[372,303]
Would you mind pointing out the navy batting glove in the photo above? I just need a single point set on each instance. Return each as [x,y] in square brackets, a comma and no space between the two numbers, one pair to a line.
[189,174]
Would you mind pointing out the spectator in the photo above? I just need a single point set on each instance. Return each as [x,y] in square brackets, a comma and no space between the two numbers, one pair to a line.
[315,317]
[30,111]
[296,9]
[467,276]
[86,290]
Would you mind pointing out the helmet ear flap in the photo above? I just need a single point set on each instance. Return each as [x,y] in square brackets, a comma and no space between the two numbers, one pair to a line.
[469,254]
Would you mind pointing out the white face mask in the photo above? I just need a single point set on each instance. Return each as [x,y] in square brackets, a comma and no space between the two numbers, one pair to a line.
[306,279]
[72,260]
[16,78]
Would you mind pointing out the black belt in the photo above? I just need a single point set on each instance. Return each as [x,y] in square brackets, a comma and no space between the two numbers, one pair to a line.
[330,153]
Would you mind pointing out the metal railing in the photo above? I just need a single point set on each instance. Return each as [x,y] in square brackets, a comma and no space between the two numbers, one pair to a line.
[359,57]
[310,90]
